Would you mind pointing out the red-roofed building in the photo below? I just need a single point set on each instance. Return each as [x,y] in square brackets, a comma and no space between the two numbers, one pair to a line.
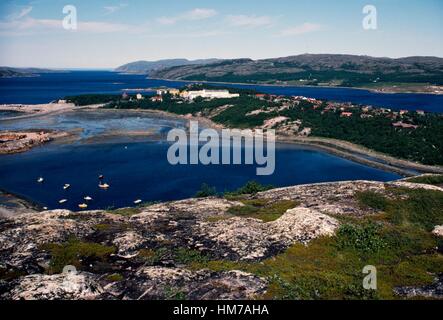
[157,99]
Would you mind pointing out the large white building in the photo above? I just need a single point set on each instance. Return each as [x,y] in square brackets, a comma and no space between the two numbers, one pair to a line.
[209,94]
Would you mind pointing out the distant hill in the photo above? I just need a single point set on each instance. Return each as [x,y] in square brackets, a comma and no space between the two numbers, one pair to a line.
[9,72]
[313,69]
[146,67]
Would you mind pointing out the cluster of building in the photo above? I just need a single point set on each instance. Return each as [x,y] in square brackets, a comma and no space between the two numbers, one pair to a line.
[400,118]
[193,94]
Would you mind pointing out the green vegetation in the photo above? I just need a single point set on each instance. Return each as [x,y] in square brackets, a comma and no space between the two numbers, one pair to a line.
[179,255]
[77,253]
[262,209]
[115,277]
[364,238]
[251,187]
[422,209]
[398,243]
[174,294]
[424,144]
[206,191]
[344,70]
[372,200]
[430,179]
[90,99]
[313,77]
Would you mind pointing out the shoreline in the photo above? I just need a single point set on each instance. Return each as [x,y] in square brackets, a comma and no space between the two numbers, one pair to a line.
[343,149]
[297,86]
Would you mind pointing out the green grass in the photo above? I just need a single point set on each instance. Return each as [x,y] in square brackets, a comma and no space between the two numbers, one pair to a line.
[432,179]
[206,191]
[183,256]
[115,277]
[397,242]
[372,200]
[364,238]
[251,187]
[74,252]
[262,209]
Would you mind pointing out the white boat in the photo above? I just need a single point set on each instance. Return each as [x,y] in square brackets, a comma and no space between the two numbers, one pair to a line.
[63,201]
[40,180]
[138,201]
[83,206]
[66,186]
[88,198]
[104,185]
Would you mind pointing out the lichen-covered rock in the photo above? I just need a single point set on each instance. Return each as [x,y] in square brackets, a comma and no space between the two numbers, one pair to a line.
[128,242]
[22,236]
[171,283]
[251,239]
[302,225]
[144,253]
[433,291]
[69,286]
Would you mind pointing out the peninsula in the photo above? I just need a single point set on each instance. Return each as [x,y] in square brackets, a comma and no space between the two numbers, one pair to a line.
[410,74]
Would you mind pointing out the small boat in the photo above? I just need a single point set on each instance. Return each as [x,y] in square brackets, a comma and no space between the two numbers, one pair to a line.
[138,201]
[83,206]
[45,208]
[40,180]
[66,186]
[88,198]
[63,201]
[101,177]
[104,185]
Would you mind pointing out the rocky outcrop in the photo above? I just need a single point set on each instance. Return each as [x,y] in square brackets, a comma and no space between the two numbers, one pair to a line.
[251,239]
[432,291]
[15,142]
[171,283]
[159,252]
[71,286]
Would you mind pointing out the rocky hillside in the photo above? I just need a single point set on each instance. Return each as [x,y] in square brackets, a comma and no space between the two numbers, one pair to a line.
[345,70]
[8,72]
[146,67]
[303,242]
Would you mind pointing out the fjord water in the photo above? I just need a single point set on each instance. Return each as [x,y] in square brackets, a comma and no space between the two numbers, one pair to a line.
[137,168]
[140,170]
[53,86]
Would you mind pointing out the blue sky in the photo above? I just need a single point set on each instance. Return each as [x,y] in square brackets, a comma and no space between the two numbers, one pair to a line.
[111,33]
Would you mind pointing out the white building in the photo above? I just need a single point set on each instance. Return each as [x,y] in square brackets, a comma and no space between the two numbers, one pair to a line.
[171,91]
[139,96]
[209,94]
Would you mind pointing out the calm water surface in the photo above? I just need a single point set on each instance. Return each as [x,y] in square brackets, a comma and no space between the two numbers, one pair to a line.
[138,168]
[53,86]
